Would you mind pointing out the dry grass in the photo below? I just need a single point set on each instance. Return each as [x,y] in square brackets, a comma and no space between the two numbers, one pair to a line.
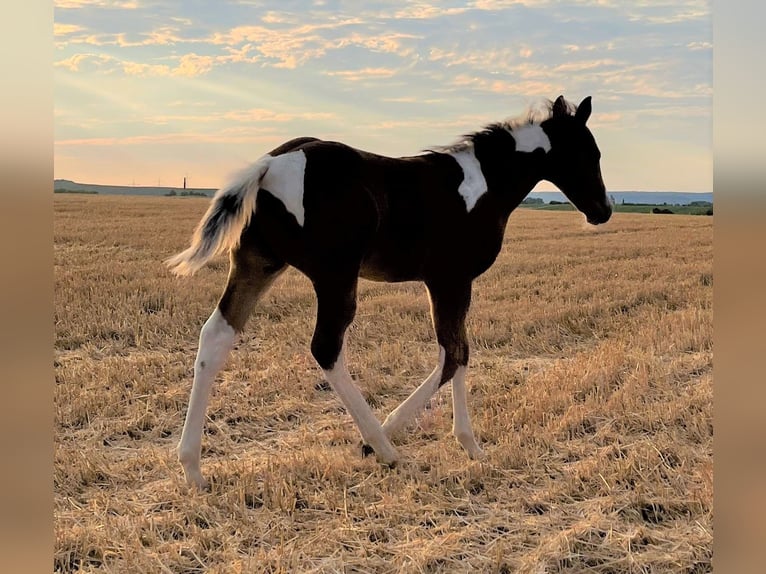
[590,388]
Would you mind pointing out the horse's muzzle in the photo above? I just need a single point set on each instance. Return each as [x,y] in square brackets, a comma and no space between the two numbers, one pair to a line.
[599,215]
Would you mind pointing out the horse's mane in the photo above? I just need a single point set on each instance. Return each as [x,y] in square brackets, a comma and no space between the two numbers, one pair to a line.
[536,113]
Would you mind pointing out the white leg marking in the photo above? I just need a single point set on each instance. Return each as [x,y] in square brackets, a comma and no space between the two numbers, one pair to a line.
[413,404]
[372,433]
[215,341]
[529,137]
[473,185]
[461,421]
[284,180]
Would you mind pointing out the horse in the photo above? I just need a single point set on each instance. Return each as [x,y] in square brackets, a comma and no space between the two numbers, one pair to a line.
[337,213]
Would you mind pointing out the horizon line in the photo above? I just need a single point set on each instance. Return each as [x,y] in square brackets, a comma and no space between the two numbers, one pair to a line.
[141,186]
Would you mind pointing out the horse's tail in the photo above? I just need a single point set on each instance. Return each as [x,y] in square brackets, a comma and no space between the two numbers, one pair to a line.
[221,226]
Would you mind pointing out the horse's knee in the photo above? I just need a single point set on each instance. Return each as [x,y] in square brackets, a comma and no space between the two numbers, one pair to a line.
[334,315]
[215,341]
[455,356]
[326,349]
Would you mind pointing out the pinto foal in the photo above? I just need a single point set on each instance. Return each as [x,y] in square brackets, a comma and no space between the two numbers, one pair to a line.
[337,213]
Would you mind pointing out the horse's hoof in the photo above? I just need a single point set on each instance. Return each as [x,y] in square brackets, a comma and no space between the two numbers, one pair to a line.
[367,450]
[322,386]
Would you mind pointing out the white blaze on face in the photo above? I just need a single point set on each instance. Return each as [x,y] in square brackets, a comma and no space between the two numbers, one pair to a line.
[529,137]
[284,180]
[473,185]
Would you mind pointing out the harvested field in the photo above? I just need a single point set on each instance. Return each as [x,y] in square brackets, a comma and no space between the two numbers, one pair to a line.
[590,388]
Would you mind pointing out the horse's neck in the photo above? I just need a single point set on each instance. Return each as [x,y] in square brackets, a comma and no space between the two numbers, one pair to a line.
[511,189]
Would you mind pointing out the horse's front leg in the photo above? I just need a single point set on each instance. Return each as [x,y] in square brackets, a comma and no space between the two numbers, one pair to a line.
[336,306]
[449,306]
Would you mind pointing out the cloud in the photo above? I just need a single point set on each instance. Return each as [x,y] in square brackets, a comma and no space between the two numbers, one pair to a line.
[491,60]
[423,11]
[362,74]
[141,69]
[161,36]
[524,88]
[678,111]
[605,46]
[234,135]
[75,4]
[653,87]
[74,62]
[670,18]
[260,115]
[413,100]
[295,45]
[191,65]
[699,45]
[585,65]
[492,5]
[604,119]
[188,66]
[238,118]
[286,48]
[390,43]
[65,29]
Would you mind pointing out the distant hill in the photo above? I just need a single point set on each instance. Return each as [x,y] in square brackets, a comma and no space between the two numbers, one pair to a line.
[72,186]
[636,197]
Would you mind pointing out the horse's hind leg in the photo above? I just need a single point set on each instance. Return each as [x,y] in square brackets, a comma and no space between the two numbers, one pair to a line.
[250,275]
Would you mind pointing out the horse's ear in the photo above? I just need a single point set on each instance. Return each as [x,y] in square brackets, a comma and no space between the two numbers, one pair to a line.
[560,107]
[584,110]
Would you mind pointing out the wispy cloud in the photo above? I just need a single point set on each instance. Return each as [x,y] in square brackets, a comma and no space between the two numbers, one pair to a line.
[74,4]
[292,46]
[493,60]
[65,29]
[261,115]
[74,62]
[507,87]
[173,138]
[424,10]
[191,65]
[391,43]
[699,45]
[362,74]
[160,36]
[413,100]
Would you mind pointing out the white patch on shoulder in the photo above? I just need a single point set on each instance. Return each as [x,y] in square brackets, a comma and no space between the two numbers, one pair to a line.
[284,180]
[473,185]
[529,137]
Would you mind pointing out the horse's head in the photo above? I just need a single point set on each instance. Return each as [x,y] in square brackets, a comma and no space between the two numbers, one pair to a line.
[572,164]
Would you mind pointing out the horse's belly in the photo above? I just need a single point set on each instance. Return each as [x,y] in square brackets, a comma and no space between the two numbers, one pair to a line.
[390,269]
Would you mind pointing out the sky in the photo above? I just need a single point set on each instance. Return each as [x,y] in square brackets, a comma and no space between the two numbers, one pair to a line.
[149,92]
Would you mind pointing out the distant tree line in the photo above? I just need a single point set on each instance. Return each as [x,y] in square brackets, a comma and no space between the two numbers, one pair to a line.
[185,193]
[62,190]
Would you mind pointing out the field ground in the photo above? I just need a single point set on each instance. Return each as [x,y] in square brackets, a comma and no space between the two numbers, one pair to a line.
[590,389]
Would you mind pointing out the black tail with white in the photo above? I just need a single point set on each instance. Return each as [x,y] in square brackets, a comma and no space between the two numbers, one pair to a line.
[221,226]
